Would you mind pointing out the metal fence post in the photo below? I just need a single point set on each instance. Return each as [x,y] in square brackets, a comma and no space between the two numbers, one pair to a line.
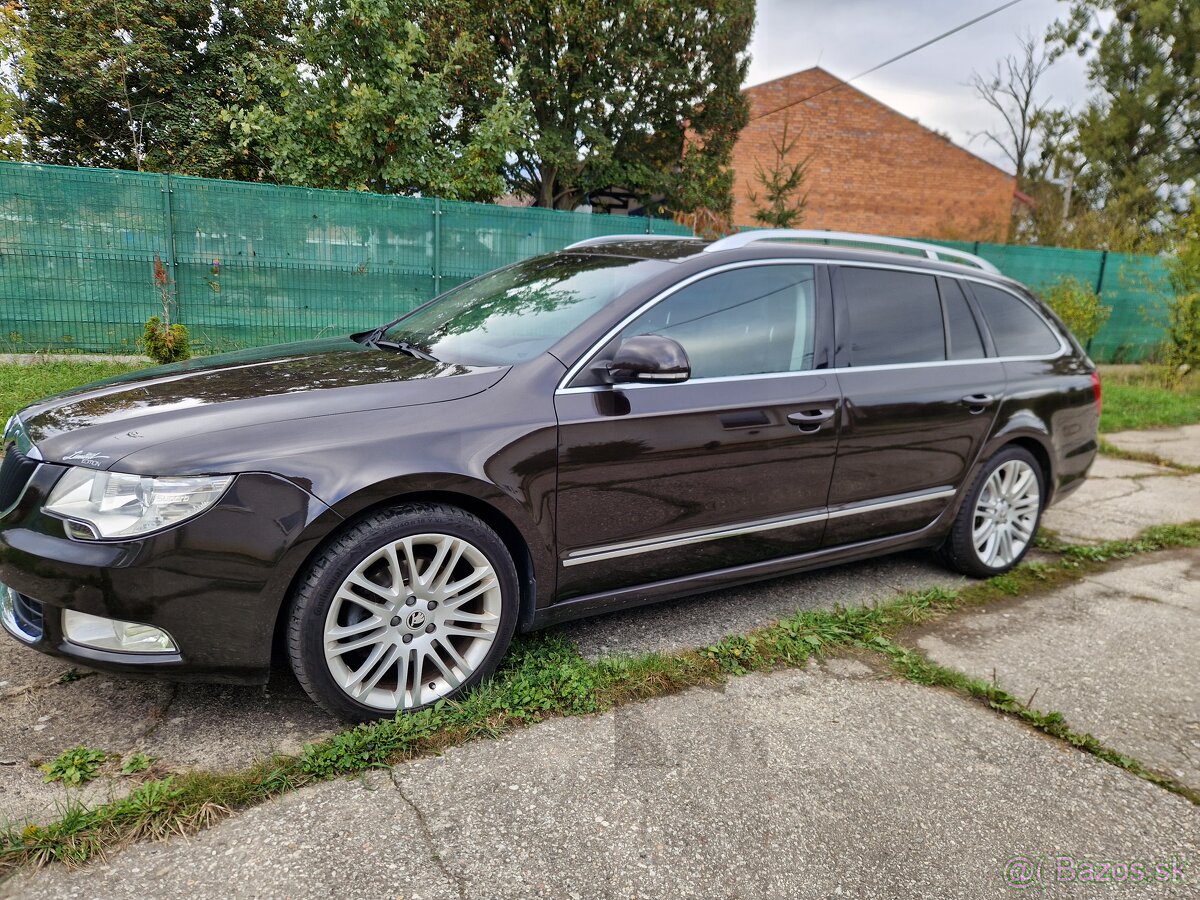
[1099,288]
[437,246]
[1100,277]
[169,235]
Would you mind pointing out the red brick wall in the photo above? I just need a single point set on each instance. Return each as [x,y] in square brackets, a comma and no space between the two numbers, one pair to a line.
[873,170]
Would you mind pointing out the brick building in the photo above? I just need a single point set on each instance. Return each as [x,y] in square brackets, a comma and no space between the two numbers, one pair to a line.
[872,169]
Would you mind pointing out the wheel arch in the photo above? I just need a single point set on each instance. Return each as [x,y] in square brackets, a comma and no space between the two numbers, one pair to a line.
[357,507]
[1028,431]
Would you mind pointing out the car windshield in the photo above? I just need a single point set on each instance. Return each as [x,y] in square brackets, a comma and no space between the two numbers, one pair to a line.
[517,313]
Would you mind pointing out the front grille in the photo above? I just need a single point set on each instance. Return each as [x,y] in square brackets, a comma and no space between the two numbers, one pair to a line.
[15,472]
[28,614]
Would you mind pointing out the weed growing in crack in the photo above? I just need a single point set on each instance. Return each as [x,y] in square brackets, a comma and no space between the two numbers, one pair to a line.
[75,766]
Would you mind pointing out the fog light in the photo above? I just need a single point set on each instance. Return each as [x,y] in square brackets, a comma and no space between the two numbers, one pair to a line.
[113,634]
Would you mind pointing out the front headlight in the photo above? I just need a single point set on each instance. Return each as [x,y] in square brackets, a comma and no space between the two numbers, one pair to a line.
[113,504]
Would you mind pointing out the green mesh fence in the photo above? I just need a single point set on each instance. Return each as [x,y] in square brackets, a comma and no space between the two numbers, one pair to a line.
[250,264]
[253,264]
[1135,287]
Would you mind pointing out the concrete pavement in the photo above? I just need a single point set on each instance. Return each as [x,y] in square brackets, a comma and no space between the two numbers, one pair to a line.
[835,781]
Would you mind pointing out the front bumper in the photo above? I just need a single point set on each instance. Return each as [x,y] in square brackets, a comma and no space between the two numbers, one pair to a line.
[214,583]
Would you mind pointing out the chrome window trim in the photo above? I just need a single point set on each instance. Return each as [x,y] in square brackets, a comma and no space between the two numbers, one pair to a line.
[578,366]
[682,539]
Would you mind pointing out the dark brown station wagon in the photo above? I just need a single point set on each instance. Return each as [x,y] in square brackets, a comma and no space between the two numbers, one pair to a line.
[620,422]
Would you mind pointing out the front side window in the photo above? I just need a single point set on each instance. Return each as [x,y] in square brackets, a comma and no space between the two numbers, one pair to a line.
[894,317]
[1016,329]
[747,321]
[519,312]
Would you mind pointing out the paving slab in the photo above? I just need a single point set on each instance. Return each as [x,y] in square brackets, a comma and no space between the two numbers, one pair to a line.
[1118,508]
[815,783]
[1180,445]
[1114,467]
[1115,654]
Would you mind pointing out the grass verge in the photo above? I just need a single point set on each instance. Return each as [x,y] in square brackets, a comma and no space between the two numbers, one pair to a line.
[1133,398]
[21,384]
[544,676]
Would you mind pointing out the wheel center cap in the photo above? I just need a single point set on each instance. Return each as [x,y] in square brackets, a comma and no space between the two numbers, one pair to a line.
[416,619]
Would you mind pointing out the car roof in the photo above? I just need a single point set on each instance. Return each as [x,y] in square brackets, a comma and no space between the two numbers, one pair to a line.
[680,249]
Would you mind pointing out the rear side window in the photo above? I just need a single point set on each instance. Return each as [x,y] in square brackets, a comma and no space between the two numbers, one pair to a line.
[748,321]
[1016,329]
[965,342]
[895,317]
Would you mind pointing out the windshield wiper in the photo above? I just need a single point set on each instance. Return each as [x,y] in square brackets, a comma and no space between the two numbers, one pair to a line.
[403,347]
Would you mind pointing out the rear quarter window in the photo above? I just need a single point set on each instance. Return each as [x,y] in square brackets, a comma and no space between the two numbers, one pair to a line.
[1016,329]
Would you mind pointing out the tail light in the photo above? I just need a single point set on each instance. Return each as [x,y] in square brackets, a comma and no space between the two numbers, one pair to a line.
[1096,390]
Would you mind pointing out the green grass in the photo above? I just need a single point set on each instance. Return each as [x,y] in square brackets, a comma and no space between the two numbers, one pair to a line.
[1134,399]
[543,676]
[21,384]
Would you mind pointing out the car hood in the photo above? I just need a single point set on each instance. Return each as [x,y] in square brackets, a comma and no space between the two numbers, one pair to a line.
[98,424]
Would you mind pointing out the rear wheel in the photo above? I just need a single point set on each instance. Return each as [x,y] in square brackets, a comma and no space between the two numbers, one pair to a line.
[408,607]
[997,522]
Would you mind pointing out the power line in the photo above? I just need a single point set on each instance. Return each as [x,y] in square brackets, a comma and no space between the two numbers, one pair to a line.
[888,62]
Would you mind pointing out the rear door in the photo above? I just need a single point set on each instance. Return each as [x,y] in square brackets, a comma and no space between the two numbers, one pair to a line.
[919,399]
[730,467]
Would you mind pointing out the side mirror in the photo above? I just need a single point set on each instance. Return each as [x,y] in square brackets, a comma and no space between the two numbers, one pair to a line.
[649,359]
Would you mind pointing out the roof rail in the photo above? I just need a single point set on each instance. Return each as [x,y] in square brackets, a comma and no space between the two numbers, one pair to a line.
[614,238]
[932,251]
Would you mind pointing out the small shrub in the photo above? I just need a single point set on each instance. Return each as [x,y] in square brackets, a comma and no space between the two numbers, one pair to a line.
[1181,349]
[75,766]
[166,343]
[1078,306]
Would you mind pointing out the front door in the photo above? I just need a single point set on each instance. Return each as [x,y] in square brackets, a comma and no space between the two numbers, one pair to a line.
[730,467]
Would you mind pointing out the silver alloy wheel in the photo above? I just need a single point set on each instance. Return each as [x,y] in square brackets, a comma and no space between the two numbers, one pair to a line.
[1006,514]
[412,621]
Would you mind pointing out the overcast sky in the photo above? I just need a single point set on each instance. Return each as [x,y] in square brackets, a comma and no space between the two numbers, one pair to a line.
[846,37]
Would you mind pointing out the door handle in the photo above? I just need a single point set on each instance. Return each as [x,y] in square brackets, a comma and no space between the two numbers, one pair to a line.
[810,421]
[978,402]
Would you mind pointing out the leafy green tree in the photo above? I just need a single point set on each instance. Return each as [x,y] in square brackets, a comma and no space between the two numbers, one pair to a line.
[11,139]
[136,84]
[1139,135]
[374,102]
[643,95]
[781,203]
[1181,348]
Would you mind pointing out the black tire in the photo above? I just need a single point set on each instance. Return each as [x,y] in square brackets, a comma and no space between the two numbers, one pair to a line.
[959,551]
[326,575]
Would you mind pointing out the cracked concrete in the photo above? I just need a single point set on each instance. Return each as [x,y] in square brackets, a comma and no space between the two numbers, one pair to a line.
[1122,498]
[830,781]
[1180,445]
[1115,654]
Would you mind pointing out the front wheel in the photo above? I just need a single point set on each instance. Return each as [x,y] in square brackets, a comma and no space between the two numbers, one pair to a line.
[999,517]
[408,607]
